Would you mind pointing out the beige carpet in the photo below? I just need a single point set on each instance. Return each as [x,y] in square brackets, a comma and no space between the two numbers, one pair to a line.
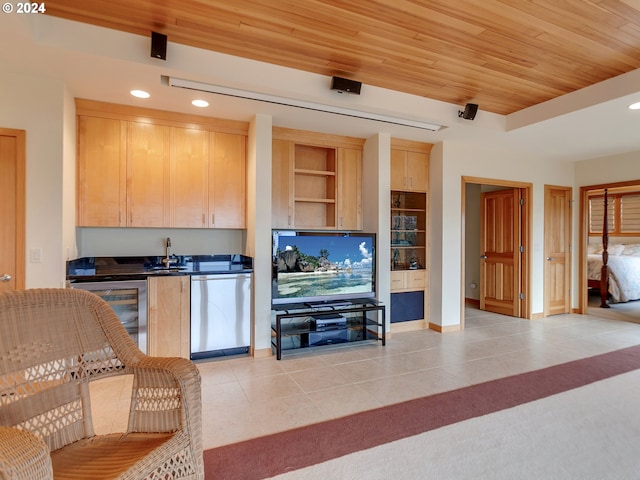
[586,433]
[497,429]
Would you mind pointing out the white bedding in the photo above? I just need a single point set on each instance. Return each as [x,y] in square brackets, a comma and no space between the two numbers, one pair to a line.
[624,275]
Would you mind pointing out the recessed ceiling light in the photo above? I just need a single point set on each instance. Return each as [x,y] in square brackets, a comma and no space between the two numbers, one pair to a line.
[140,93]
[200,103]
[635,106]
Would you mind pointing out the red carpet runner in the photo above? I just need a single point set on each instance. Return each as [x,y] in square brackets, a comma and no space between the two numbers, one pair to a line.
[271,455]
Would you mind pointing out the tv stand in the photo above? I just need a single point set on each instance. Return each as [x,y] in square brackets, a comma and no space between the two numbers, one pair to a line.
[326,323]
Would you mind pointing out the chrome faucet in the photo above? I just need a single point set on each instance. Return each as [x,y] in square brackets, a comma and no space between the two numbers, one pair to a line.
[168,260]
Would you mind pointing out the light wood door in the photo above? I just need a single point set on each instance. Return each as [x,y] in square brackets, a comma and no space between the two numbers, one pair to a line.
[409,170]
[189,181]
[101,172]
[282,154]
[148,175]
[227,180]
[12,209]
[349,189]
[417,171]
[398,169]
[557,250]
[500,244]
[169,316]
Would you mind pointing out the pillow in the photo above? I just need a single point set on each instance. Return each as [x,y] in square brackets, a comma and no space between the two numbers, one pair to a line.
[594,248]
[632,249]
[616,249]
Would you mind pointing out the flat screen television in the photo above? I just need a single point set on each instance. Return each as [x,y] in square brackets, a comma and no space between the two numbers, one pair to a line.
[322,267]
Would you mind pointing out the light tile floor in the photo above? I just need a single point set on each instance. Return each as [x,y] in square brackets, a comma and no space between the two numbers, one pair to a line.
[245,397]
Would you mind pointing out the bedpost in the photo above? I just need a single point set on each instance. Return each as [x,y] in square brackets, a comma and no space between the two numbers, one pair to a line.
[604,273]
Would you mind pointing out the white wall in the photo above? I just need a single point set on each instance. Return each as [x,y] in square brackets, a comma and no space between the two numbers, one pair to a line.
[616,168]
[484,161]
[37,105]
[472,241]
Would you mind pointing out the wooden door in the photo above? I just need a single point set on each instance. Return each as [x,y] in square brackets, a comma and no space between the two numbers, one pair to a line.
[148,175]
[417,171]
[398,169]
[349,189]
[227,180]
[101,188]
[282,154]
[557,250]
[189,180]
[169,310]
[500,243]
[12,209]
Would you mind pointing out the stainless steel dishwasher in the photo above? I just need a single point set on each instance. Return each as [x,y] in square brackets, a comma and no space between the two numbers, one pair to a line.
[220,314]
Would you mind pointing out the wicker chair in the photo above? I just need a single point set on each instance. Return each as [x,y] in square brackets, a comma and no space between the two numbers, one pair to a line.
[53,342]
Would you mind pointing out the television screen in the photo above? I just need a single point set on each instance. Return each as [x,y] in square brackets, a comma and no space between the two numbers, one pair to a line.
[312,267]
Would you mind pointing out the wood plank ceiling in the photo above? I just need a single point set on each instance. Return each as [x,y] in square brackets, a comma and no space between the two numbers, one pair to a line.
[504,55]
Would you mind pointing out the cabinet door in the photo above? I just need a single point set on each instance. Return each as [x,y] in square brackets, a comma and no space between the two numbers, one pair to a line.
[349,189]
[397,280]
[189,177]
[227,180]
[101,172]
[398,170]
[282,184]
[148,175]
[169,316]
[417,171]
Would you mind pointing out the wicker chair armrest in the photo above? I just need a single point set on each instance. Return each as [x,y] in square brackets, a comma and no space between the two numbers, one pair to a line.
[23,456]
[166,396]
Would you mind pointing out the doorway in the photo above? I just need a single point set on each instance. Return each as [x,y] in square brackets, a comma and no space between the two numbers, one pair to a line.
[629,311]
[519,211]
[12,209]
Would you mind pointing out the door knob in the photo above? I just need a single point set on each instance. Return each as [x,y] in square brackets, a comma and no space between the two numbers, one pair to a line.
[549,259]
[5,278]
[484,257]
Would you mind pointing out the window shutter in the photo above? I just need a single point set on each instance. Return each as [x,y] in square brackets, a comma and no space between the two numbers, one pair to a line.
[630,213]
[596,211]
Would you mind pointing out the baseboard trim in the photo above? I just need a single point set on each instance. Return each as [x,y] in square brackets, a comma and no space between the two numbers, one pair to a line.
[472,302]
[445,329]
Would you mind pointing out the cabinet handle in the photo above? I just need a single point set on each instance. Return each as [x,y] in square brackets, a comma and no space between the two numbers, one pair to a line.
[404,182]
[213,219]
[204,220]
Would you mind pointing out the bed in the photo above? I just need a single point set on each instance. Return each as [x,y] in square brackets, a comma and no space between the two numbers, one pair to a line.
[623,268]
[613,269]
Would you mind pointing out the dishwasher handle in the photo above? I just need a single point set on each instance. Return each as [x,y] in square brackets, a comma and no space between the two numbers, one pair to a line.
[222,276]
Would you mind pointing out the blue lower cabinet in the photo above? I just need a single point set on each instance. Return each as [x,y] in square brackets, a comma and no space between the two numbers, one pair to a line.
[407,306]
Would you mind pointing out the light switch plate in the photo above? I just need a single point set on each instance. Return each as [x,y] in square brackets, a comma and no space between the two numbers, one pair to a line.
[35,255]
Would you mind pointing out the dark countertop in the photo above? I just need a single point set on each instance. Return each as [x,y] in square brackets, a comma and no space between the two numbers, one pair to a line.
[93,269]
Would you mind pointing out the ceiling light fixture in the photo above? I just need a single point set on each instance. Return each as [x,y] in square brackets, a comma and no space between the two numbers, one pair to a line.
[634,106]
[140,93]
[200,103]
[291,102]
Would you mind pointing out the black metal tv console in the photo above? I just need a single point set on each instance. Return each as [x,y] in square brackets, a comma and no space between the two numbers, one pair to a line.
[300,325]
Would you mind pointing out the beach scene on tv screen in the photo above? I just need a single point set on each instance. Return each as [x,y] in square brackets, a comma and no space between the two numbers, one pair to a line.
[312,266]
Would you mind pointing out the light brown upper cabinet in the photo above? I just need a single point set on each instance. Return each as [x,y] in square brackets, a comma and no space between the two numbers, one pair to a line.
[409,166]
[101,172]
[149,168]
[227,170]
[147,175]
[349,189]
[188,178]
[316,181]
